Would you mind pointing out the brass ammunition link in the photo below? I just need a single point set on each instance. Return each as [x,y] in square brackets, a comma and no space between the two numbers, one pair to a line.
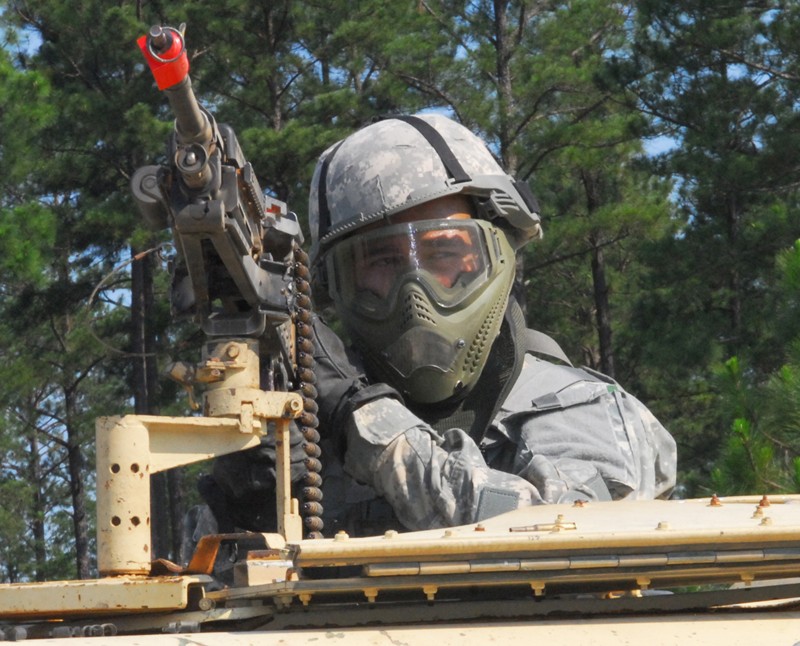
[311,509]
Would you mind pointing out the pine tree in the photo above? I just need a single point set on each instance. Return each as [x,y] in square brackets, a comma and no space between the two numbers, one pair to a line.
[718,79]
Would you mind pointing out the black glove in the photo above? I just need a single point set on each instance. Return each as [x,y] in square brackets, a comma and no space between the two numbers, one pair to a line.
[241,492]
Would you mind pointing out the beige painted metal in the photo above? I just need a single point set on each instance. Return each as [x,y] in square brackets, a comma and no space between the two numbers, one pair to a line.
[745,629]
[133,447]
[565,528]
[632,543]
[96,596]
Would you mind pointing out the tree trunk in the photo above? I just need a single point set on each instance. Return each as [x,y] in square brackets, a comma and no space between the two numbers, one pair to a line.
[505,95]
[37,524]
[76,464]
[602,312]
[165,502]
[734,278]
[76,460]
[602,307]
[505,108]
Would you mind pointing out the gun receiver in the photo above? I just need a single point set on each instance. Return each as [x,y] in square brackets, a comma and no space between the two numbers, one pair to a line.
[233,243]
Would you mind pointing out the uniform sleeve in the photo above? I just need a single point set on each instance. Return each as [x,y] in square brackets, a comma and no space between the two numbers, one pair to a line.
[430,479]
[241,491]
[578,433]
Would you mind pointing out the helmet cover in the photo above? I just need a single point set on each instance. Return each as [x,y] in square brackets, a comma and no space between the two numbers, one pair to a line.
[399,162]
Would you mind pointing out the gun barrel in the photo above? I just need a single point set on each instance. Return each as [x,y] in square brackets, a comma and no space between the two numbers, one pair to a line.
[165,51]
[191,123]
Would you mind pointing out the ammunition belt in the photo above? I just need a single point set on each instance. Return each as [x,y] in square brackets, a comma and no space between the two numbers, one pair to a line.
[311,507]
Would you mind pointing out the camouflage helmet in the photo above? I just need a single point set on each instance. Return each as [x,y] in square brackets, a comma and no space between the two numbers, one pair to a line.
[401,161]
[422,296]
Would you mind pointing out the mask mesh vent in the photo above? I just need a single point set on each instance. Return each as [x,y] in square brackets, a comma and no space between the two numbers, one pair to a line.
[481,342]
[415,308]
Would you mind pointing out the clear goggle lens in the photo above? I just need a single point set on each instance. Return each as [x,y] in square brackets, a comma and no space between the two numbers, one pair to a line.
[449,258]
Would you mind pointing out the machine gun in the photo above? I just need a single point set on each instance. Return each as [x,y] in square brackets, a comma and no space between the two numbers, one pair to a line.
[240,271]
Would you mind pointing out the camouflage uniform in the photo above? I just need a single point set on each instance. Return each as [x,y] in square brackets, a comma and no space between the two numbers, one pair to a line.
[485,426]
[604,444]
[560,434]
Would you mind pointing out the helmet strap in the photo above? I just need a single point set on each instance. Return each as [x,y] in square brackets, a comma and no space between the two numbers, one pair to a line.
[437,142]
[322,193]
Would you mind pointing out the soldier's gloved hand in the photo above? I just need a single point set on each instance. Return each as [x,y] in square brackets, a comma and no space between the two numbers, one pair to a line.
[254,470]
[241,492]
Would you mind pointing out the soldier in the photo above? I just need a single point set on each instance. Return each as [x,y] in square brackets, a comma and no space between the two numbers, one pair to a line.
[414,232]
[444,406]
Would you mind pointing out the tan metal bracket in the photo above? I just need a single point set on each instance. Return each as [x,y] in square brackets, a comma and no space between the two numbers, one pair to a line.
[130,448]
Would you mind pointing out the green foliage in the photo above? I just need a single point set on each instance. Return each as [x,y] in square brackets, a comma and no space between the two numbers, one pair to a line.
[28,234]
[762,451]
[82,130]
[15,505]
[709,75]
